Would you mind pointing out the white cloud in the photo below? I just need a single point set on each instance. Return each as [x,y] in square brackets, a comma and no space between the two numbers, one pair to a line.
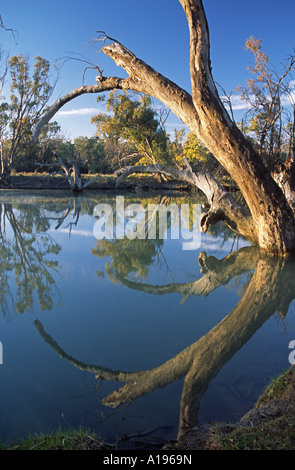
[237,103]
[81,233]
[78,112]
[288,99]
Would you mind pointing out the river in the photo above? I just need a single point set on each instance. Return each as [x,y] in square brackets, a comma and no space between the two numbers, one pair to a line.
[116,323]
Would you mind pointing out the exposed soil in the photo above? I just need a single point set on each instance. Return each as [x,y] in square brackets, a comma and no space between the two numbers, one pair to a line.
[270,425]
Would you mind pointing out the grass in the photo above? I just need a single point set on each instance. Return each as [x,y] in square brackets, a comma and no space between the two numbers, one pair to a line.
[80,439]
[276,434]
[276,387]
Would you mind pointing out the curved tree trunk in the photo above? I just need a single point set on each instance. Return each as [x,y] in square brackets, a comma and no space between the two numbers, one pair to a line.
[204,114]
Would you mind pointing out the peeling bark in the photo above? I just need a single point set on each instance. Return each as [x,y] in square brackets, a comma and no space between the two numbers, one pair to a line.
[285,178]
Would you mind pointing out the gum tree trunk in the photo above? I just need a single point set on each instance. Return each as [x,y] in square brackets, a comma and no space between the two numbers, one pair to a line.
[273,223]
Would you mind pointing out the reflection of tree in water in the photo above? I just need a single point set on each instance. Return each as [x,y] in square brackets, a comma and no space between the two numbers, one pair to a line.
[26,252]
[271,289]
[128,257]
[133,258]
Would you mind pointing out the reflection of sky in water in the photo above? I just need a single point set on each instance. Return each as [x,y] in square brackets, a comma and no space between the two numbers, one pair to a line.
[126,324]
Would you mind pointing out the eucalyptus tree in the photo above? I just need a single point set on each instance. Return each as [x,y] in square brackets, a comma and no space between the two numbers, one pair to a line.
[268,94]
[133,120]
[28,99]
[268,219]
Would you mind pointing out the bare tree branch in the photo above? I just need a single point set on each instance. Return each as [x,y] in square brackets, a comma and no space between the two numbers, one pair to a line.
[12,31]
[71,174]
[221,202]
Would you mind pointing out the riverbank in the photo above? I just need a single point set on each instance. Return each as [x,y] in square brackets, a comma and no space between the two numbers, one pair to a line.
[270,425]
[45,181]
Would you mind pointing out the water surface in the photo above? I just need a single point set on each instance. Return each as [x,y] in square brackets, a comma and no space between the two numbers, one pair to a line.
[127,336]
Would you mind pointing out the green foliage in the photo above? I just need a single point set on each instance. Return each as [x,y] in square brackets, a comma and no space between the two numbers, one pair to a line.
[201,159]
[194,151]
[28,99]
[90,154]
[135,122]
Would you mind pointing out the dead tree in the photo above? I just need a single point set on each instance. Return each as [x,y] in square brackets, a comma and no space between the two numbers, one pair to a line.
[71,174]
[269,219]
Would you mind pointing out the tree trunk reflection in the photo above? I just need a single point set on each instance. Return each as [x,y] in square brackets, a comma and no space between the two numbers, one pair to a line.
[270,290]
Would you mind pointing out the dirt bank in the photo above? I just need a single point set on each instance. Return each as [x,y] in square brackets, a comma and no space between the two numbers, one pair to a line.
[104,182]
[270,425]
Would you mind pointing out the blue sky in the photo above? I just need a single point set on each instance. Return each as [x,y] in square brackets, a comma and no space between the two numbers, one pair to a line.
[155,30]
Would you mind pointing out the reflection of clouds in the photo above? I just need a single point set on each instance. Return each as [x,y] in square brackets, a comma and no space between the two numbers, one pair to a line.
[81,233]
[208,242]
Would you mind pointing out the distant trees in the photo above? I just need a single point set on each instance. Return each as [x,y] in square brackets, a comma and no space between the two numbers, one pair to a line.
[132,130]
[133,121]
[198,155]
[270,96]
[90,153]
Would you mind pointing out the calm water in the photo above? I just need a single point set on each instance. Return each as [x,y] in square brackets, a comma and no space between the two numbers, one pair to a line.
[127,336]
